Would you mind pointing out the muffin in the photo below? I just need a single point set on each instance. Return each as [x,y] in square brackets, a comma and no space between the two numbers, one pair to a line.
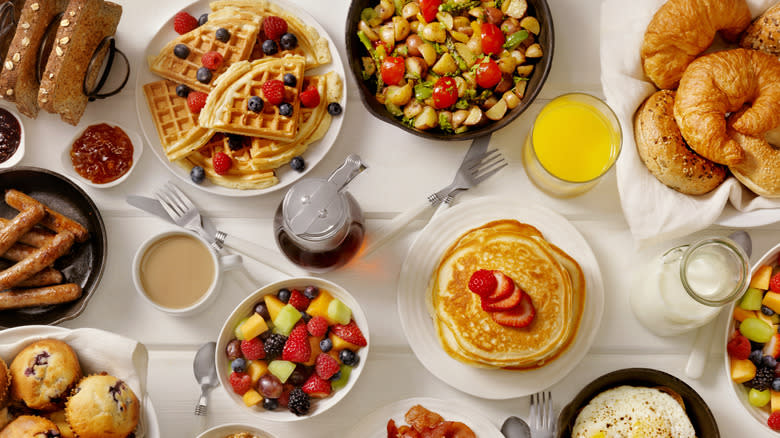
[58,418]
[43,373]
[5,384]
[29,426]
[102,406]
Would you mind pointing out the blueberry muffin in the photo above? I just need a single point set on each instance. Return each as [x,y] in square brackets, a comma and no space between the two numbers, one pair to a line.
[58,418]
[29,426]
[102,406]
[43,374]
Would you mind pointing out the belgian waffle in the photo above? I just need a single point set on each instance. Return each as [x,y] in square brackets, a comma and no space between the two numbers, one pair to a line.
[176,125]
[243,30]
[226,106]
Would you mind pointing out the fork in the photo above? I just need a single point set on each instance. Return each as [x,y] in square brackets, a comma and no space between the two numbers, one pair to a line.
[541,415]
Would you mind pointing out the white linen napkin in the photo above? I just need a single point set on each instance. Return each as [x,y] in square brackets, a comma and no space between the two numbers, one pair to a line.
[655,212]
[97,351]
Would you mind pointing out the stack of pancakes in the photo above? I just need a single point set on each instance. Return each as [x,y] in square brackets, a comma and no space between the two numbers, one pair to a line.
[552,279]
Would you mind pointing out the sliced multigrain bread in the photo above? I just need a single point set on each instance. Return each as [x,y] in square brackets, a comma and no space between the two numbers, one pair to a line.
[84,25]
[19,78]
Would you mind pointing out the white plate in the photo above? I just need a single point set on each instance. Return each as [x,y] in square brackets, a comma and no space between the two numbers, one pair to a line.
[422,260]
[314,153]
[226,429]
[374,425]
[16,334]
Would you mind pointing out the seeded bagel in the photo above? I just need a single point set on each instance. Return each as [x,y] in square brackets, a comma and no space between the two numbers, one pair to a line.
[665,153]
[764,33]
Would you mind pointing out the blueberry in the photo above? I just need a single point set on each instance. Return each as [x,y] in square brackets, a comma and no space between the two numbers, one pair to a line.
[223,35]
[288,41]
[181,51]
[269,404]
[203,19]
[311,292]
[255,104]
[349,358]
[283,295]
[326,345]
[235,142]
[182,90]
[756,356]
[204,75]
[285,109]
[769,361]
[776,385]
[336,376]
[334,109]
[239,365]
[197,174]
[305,317]
[767,311]
[298,164]
[270,47]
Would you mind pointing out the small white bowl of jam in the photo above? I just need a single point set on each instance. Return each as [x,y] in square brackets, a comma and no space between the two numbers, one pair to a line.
[11,137]
[103,154]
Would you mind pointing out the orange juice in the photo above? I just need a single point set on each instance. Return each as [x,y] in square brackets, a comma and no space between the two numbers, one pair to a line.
[573,140]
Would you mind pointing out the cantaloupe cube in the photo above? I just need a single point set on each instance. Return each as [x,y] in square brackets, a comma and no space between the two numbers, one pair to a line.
[273,304]
[253,326]
[742,370]
[772,300]
[256,369]
[314,342]
[774,402]
[319,305]
[252,397]
[741,314]
[761,278]
[340,344]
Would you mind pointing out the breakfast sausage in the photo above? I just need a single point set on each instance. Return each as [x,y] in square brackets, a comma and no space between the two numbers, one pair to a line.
[54,220]
[22,223]
[47,277]
[61,293]
[18,252]
[36,237]
[37,261]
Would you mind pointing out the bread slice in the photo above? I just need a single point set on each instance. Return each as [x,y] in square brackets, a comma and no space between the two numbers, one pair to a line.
[83,26]
[18,78]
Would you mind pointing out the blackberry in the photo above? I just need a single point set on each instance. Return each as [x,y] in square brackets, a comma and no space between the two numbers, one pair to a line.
[274,345]
[299,402]
[763,379]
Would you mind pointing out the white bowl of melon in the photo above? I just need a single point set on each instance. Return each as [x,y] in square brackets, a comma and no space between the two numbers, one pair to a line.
[756,317]
[271,360]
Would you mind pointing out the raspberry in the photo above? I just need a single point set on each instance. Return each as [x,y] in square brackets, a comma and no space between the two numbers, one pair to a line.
[317,326]
[273,91]
[211,60]
[241,382]
[326,366]
[196,100]
[298,301]
[483,282]
[222,163]
[184,22]
[774,421]
[774,283]
[274,27]
[253,349]
[310,97]
[739,347]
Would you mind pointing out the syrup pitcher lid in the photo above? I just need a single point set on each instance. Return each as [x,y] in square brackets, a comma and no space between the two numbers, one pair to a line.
[315,207]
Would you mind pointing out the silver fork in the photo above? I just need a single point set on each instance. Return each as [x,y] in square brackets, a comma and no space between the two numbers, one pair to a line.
[478,165]
[541,416]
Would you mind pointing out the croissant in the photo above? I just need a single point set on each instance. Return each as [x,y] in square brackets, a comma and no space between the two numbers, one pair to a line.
[720,83]
[681,29]
[760,170]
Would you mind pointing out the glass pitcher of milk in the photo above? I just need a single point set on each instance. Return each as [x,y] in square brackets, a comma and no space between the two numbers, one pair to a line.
[685,287]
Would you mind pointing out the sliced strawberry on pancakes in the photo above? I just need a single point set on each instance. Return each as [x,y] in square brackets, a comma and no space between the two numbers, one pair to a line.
[504,288]
[519,317]
[505,304]
[483,282]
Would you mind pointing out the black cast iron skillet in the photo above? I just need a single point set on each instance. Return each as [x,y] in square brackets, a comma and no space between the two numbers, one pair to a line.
[355,51]
[698,411]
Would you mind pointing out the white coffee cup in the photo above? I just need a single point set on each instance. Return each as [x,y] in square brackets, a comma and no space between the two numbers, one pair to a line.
[221,263]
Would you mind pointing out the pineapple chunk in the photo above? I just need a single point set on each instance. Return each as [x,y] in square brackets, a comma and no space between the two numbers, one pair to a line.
[340,344]
[741,314]
[256,369]
[273,304]
[742,370]
[761,278]
[252,397]
[253,326]
[319,305]
[775,401]
[772,300]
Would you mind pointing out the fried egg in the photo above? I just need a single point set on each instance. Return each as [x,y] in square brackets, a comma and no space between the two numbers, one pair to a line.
[633,412]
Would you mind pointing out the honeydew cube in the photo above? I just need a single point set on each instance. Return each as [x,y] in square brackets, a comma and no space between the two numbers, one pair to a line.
[274,305]
[282,369]
[343,378]
[252,397]
[340,344]
[761,278]
[256,369]
[319,305]
[774,403]
[253,326]
[338,312]
[286,319]
[742,370]
[237,331]
[772,300]
[741,314]
[752,299]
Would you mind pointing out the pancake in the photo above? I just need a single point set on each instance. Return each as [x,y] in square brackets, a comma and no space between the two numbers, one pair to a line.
[552,279]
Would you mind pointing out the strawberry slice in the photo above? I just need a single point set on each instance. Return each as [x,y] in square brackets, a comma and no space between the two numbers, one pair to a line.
[519,317]
[504,288]
[772,348]
[505,304]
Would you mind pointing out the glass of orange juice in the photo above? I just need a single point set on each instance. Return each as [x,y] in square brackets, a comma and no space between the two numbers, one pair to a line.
[573,142]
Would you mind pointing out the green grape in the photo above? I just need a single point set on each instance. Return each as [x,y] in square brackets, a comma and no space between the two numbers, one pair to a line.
[756,330]
[758,398]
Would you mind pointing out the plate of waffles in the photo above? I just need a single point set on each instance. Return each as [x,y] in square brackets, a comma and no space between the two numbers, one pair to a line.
[500,299]
[206,105]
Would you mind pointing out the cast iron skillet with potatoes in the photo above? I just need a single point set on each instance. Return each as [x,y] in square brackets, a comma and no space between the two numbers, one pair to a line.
[386,27]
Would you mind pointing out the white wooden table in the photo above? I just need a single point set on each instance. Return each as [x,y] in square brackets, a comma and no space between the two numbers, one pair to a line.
[416,168]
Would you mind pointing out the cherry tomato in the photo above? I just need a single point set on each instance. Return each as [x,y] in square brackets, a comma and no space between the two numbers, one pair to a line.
[445,92]
[393,69]
[492,39]
[429,8]
[488,74]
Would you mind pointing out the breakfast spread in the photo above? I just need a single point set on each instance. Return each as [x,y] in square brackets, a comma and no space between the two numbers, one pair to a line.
[425,423]
[10,134]
[630,411]
[449,65]
[297,346]
[237,103]
[525,309]
[102,153]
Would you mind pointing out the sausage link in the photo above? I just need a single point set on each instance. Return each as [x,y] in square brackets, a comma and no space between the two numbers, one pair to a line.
[61,293]
[47,277]
[35,262]
[54,220]
[36,237]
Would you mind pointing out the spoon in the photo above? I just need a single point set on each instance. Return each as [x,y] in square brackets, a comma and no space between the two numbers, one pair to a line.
[205,374]
[514,427]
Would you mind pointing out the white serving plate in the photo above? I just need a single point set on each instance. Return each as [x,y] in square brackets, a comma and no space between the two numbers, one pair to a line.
[226,429]
[423,258]
[315,151]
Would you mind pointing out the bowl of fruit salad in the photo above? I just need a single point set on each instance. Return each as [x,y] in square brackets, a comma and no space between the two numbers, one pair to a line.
[449,69]
[292,349]
[753,343]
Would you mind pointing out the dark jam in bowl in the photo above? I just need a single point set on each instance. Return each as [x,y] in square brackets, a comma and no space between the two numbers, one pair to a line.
[102,154]
[10,135]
